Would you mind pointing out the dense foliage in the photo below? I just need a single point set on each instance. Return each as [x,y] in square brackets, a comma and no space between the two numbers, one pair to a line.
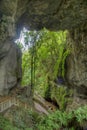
[58,120]
[46,55]
[43,67]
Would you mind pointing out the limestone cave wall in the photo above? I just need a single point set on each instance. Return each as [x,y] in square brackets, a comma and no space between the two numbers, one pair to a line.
[77,61]
[55,15]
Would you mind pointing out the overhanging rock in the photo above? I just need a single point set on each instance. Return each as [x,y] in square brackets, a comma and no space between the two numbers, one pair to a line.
[55,15]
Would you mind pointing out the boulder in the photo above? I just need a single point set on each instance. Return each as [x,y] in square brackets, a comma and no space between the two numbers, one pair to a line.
[10,66]
[10,56]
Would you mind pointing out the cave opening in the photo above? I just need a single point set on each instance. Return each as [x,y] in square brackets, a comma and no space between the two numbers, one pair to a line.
[40,48]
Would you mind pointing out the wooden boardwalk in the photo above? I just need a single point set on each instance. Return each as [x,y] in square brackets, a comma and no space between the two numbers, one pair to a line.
[40,104]
[6,102]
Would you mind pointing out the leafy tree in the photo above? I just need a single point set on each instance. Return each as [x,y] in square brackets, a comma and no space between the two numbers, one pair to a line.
[46,57]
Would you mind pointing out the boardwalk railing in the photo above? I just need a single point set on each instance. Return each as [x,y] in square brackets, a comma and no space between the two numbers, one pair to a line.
[7,103]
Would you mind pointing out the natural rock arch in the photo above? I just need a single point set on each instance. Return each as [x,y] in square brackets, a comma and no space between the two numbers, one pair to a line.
[54,15]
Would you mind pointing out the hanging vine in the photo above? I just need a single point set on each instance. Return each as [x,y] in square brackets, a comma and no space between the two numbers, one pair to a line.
[48,53]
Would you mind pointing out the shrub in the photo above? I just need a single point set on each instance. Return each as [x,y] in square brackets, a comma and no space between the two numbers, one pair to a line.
[60,120]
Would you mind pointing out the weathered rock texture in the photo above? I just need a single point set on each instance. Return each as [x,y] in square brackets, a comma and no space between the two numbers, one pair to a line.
[10,66]
[10,56]
[54,15]
[77,61]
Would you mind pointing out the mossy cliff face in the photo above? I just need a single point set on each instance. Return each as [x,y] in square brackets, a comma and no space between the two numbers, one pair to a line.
[54,15]
[77,62]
